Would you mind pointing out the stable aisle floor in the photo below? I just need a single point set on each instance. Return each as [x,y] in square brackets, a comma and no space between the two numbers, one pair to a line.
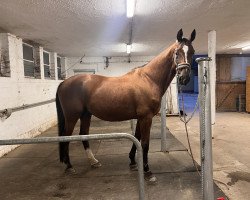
[34,172]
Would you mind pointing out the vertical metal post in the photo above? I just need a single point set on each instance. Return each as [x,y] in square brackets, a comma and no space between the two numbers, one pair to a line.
[163,124]
[212,73]
[205,128]
[132,125]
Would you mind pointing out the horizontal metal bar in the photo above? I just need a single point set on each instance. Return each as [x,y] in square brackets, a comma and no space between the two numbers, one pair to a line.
[89,137]
[25,106]
[203,59]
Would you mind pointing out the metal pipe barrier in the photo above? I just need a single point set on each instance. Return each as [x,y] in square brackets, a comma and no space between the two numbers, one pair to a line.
[8,111]
[205,128]
[89,137]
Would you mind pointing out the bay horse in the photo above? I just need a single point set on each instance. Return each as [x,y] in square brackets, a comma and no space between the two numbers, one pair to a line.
[135,95]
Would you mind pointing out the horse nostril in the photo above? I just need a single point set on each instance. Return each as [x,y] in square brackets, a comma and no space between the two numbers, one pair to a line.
[188,79]
[180,80]
[183,80]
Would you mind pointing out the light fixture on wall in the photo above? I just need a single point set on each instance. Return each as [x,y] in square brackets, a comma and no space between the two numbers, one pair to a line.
[246,48]
[130,8]
[128,48]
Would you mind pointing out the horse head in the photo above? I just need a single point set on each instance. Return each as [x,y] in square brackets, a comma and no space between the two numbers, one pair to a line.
[183,54]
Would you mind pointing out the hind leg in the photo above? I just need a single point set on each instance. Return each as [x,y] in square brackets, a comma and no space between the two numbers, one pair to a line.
[133,165]
[64,146]
[84,130]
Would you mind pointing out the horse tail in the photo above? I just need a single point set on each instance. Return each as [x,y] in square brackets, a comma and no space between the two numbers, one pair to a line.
[61,125]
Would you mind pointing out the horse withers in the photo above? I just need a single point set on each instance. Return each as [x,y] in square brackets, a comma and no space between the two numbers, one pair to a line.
[135,95]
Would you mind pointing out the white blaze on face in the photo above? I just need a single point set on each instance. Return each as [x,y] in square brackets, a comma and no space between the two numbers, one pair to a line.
[185,49]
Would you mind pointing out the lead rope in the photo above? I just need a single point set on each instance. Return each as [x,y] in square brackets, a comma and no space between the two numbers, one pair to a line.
[185,121]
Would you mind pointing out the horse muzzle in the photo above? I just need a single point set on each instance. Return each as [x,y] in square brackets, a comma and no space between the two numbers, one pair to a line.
[183,73]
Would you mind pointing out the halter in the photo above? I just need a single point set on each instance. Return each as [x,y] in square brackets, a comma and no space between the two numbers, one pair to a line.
[181,66]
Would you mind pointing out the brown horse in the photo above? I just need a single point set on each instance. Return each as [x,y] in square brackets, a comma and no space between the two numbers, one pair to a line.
[135,95]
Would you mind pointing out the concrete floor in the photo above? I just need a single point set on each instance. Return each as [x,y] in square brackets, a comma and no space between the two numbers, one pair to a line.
[34,172]
[231,148]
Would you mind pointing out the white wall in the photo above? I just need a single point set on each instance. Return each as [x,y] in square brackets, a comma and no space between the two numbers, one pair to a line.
[117,65]
[18,90]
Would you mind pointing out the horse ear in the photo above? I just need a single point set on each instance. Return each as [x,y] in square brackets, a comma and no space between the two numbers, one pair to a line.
[193,34]
[179,35]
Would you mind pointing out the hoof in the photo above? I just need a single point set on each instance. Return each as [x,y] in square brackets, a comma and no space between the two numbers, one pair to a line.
[96,165]
[150,178]
[133,167]
[70,171]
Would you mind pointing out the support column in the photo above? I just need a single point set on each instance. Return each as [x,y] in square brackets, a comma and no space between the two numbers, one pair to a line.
[38,57]
[205,129]
[64,68]
[132,125]
[212,72]
[53,66]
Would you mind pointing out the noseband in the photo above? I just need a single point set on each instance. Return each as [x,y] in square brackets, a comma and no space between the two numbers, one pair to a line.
[181,66]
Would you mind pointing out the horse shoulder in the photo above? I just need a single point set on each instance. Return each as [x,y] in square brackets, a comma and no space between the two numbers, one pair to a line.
[147,96]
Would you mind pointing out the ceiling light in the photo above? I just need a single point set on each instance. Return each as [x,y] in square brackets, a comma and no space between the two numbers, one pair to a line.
[130,8]
[246,48]
[128,48]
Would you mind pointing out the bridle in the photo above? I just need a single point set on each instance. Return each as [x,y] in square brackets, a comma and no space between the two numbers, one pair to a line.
[181,66]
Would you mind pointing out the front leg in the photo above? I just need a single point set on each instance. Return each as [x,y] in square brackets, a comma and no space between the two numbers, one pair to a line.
[145,126]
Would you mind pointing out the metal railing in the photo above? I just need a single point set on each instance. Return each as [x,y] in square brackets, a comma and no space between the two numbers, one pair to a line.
[8,111]
[89,137]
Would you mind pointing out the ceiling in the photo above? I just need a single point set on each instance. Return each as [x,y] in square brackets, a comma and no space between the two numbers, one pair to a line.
[101,28]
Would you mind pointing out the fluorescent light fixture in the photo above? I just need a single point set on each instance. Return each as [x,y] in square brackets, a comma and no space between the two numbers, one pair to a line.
[130,8]
[246,48]
[128,48]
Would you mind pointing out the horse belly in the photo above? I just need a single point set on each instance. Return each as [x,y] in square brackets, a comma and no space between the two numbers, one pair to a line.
[116,108]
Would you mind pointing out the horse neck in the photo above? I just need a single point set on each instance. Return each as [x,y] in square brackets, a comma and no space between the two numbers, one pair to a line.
[161,69]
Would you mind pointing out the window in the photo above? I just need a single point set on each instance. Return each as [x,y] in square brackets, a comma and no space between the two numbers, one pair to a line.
[59,68]
[46,64]
[28,60]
